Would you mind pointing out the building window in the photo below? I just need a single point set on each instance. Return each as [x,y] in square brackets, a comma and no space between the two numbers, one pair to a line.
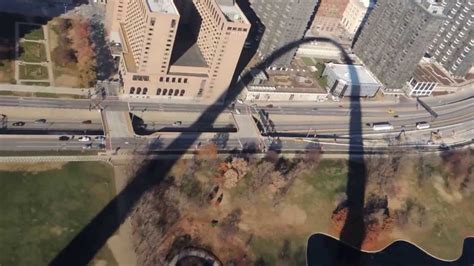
[132,90]
[161,79]
[181,93]
[165,91]
[185,80]
[170,92]
[167,79]
[179,80]
[176,92]
[173,80]
[145,91]
[139,90]
[158,91]
[173,23]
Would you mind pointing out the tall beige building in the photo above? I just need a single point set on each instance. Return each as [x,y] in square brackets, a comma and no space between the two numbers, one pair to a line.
[354,14]
[182,49]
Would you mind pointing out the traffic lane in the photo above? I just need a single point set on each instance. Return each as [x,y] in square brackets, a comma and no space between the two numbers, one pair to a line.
[163,143]
[47,144]
[17,124]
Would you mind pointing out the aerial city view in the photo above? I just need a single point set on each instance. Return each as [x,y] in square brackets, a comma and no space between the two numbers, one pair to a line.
[236,132]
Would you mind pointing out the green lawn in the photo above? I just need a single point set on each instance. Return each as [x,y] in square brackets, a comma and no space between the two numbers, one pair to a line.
[308,61]
[42,211]
[32,52]
[322,81]
[33,72]
[31,32]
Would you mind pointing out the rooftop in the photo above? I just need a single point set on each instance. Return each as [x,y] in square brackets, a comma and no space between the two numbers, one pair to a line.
[230,10]
[348,72]
[431,73]
[163,6]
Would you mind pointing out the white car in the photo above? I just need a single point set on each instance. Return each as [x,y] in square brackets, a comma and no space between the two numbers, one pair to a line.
[240,101]
[237,111]
[84,139]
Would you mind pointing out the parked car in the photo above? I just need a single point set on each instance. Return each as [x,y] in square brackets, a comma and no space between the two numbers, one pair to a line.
[40,121]
[269,106]
[87,122]
[237,111]
[101,138]
[84,138]
[18,124]
[101,146]
[64,138]
[177,123]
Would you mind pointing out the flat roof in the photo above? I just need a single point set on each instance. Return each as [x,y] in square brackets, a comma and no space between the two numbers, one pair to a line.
[163,6]
[185,50]
[431,73]
[231,11]
[347,72]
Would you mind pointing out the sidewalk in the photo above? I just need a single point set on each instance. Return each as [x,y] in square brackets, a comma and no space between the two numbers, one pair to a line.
[44,89]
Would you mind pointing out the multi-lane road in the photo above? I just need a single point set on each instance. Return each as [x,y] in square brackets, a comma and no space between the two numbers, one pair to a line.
[322,119]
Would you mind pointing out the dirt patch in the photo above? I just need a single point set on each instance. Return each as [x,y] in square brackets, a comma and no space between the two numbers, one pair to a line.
[293,215]
[449,197]
[31,167]
[56,230]
[66,80]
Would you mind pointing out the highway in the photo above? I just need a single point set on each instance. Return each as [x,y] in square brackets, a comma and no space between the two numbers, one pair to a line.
[320,119]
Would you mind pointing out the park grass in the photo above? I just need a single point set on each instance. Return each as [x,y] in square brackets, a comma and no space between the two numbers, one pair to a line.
[308,206]
[32,52]
[7,71]
[43,210]
[31,32]
[318,75]
[33,72]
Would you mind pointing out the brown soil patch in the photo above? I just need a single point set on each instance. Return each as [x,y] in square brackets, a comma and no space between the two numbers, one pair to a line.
[66,80]
[31,167]
[292,215]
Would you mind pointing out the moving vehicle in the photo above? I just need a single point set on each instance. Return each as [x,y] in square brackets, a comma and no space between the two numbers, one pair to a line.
[84,139]
[382,126]
[237,111]
[422,125]
[64,138]
[87,146]
[87,122]
[177,123]
[18,124]
[40,121]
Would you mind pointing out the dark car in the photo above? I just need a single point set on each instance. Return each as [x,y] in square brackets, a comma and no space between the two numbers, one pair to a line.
[269,105]
[40,121]
[87,122]
[64,138]
[19,124]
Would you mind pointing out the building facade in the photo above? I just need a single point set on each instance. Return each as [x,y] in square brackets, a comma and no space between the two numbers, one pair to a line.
[329,14]
[354,15]
[350,80]
[285,21]
[453,45]
[177,49]
[396,36]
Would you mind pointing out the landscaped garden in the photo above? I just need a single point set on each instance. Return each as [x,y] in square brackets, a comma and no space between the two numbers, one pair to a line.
[33,72]
[43,206]
[33,52]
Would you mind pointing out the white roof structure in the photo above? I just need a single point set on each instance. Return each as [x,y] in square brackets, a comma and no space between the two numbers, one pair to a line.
[353,74]
[163,6]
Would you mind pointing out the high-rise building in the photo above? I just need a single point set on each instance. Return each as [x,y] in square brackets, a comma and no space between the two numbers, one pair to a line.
[285,21]
[355,14]
[453,46]
[396,36]
[329,15]
[184,49]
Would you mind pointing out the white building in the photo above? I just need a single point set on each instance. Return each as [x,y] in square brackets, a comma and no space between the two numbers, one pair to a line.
[350,80]
[355,14]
